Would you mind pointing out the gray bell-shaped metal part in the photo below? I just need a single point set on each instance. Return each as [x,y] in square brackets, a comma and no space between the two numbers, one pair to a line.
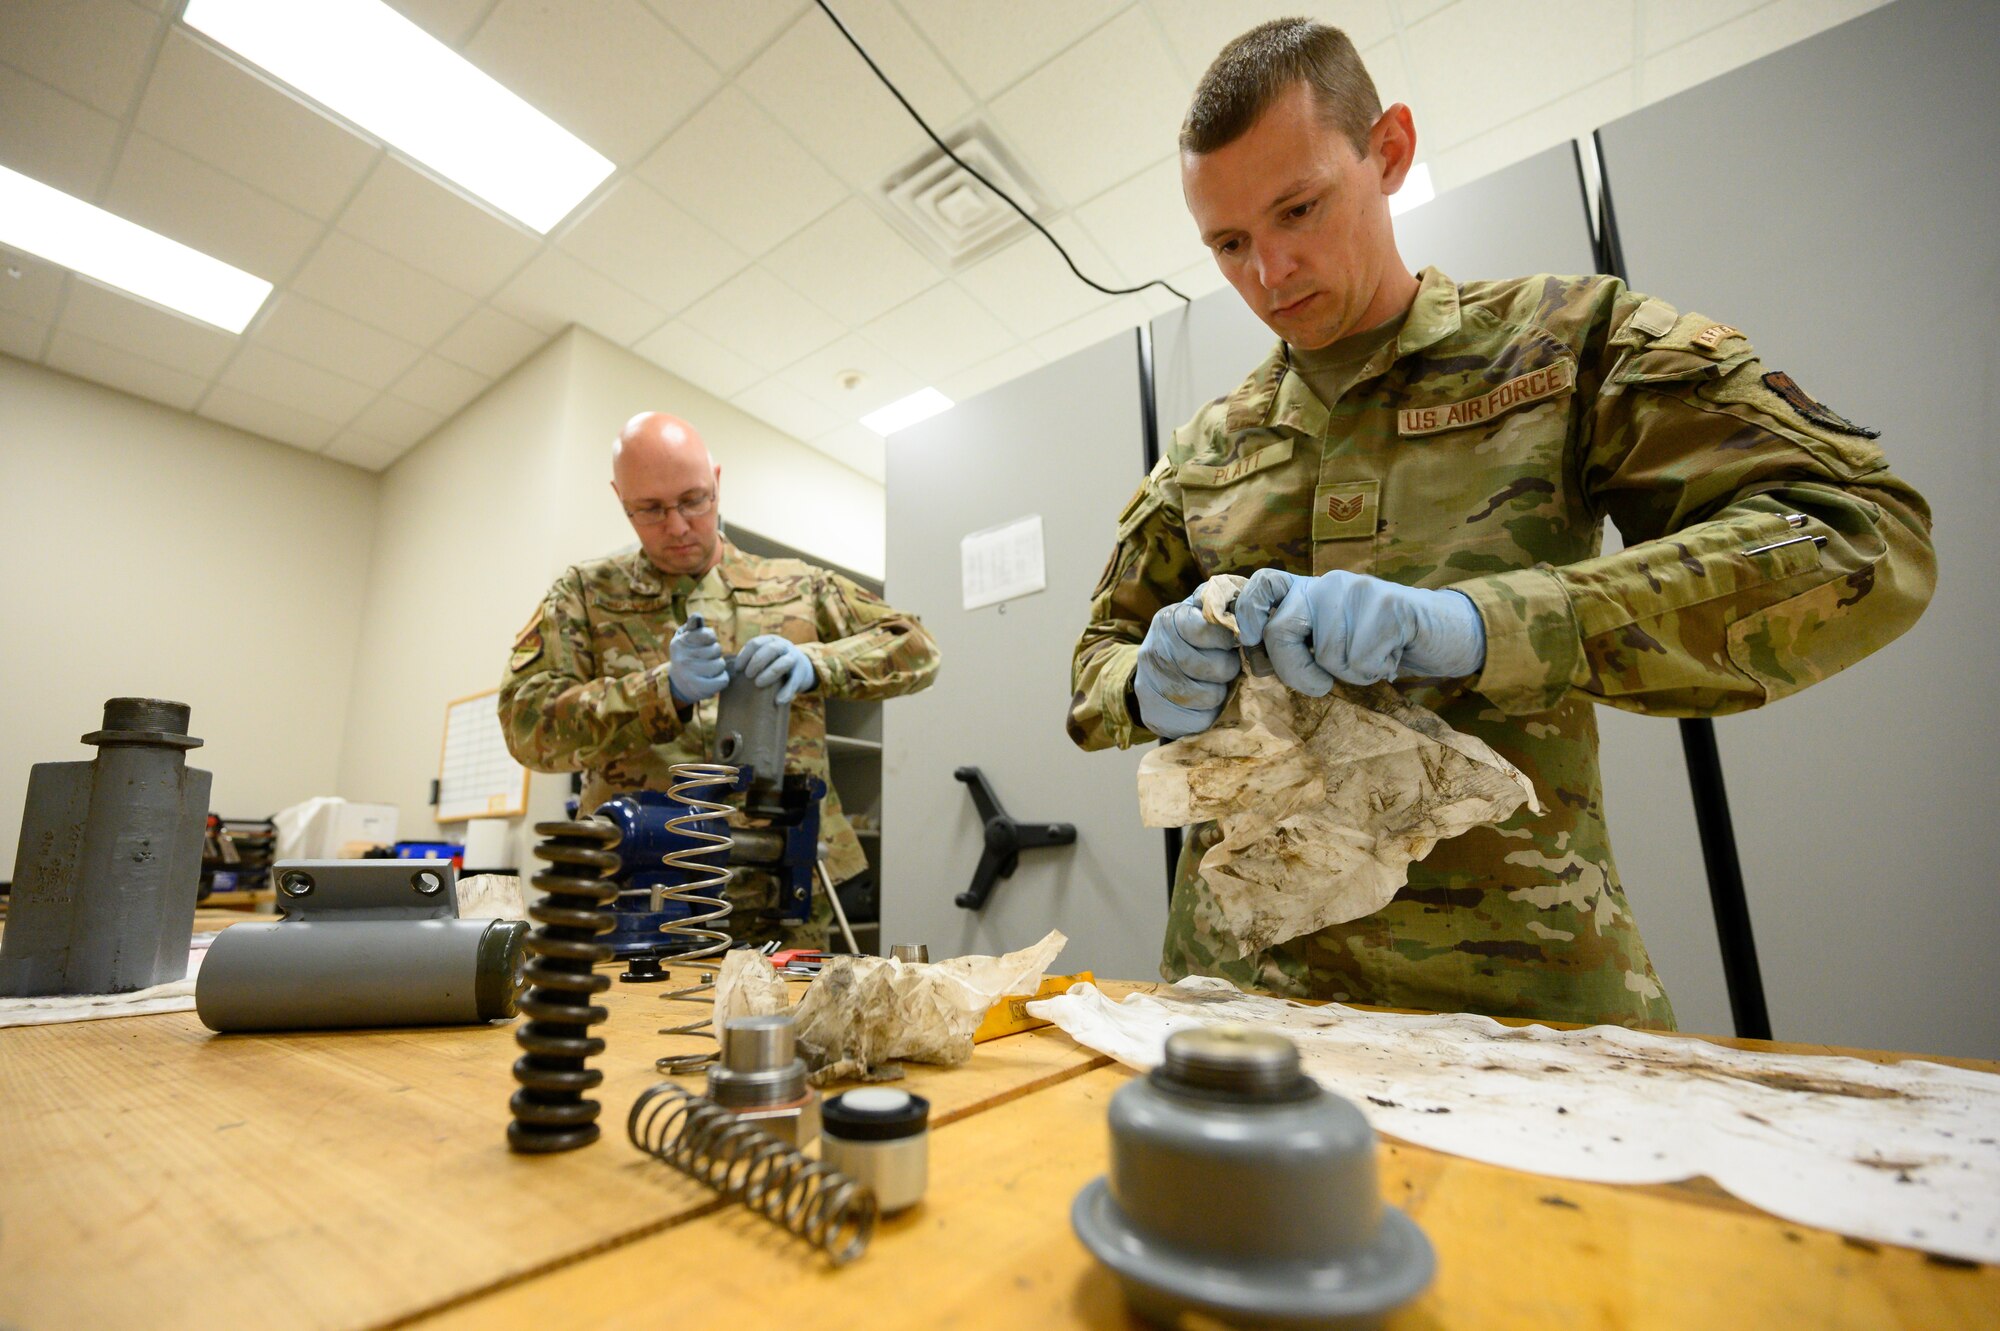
[1239,1188]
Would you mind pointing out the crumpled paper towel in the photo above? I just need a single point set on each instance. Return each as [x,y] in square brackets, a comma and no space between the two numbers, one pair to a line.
[861,1015]
[1322,802]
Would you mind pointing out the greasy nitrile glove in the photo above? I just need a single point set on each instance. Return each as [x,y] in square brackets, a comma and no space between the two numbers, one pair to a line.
[1185,665]
[1357,629]
[695,668]
[768,658]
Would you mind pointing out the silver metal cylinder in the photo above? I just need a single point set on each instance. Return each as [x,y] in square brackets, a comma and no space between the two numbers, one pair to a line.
[761,1077]
[880,1136]
[302,975]
[909,952]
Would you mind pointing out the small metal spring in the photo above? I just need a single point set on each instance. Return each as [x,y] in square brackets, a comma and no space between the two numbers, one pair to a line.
[550,1111]
[745,1164]
[704,932]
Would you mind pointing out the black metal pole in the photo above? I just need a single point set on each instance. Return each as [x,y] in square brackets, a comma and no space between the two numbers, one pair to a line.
[1731,904]
[1149,441]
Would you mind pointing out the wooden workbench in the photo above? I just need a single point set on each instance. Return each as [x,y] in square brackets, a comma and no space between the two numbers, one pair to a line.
[155,1175]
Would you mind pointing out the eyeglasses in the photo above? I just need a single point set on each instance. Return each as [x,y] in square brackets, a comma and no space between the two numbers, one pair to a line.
[653,514]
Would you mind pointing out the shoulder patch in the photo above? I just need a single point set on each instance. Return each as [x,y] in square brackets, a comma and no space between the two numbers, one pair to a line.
[527,645]
[1812,408]
[1654,318]
[1714,335]
[533,625]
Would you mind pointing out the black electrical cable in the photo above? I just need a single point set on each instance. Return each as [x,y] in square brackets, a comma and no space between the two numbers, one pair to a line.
[974,172]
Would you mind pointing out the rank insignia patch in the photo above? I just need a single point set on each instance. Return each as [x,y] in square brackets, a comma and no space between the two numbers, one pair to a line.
[1345,510]
[1812,408]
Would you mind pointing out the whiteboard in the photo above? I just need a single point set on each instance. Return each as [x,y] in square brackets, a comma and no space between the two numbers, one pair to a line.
[477,777]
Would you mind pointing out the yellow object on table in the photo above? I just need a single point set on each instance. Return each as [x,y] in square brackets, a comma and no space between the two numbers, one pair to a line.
[1010,1016]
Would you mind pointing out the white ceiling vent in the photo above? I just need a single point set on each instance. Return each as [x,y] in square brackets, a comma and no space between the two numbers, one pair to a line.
[937,203]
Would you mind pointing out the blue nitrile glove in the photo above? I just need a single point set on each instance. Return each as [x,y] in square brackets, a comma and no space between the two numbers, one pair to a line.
[1358,629]
[767,658]
[1185,665]
[695,668]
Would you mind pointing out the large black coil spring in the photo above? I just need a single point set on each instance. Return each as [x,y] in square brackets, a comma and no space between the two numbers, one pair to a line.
[706,1142]
[550,1111]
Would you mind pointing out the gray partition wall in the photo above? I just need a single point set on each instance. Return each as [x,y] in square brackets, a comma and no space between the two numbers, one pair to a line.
[1837,202]
[1063,442]
[1526,219]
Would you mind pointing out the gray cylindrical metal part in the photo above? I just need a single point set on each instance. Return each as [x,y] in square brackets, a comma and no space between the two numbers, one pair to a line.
[919,952]
[302,975]
[756,845]
[760,1065]
[751,729]
[752,1044]
[110,860]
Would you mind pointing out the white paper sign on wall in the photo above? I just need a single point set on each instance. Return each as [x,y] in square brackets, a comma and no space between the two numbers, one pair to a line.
[1002,562]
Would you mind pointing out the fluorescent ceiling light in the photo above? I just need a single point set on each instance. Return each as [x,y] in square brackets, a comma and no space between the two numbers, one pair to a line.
[364,61]
[905,412]
[80,236]
[1416,191]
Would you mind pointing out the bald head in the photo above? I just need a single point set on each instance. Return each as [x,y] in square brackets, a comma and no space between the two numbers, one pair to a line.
[663,475]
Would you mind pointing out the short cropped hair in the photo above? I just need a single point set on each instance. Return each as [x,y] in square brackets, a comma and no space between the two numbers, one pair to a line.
[1257,68]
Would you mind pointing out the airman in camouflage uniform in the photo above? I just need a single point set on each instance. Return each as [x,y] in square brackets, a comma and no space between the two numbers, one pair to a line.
[1480,448]
[587,685]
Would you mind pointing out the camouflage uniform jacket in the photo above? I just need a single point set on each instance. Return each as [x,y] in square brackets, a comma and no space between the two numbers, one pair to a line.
[1481,450]
[586,686]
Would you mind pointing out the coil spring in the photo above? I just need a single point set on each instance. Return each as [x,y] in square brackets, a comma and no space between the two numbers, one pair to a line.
[550,1111]
[745,1164]
[704,931]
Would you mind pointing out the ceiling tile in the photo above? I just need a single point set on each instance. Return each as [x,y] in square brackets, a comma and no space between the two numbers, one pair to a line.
[394,421]
[988,374]
[700,167]
[1132,119]
[1747,38]
[1199,29]
[37,293]
[993,45]
[1467,61]
[267,419]
[652,247]
[438,384]
[207,106]
[728,34]
[555,290]
[1665,23]
[144,330]
[307,330]
[94,50]
[405,213]
[1392,78]
[820,90]
[1416,10]
[56,139]
[22,337]
[761,319]
[359,450]
[1565,118]
[1144,225]
[376,289]
[1030,288]
[165,189]
[608,71]
[780,405]
[267,374]
[882,380]
[680,350]
[1198,279]
[116,368]
[852,264]
[858,448]
[1119,317]
[490,342]
[450,21]
[939,332]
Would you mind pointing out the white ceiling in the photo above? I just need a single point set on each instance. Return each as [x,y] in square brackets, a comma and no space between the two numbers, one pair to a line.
[742,243]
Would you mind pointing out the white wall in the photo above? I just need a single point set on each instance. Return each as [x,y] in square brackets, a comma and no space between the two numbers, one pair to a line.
[478,520]
[149,552]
